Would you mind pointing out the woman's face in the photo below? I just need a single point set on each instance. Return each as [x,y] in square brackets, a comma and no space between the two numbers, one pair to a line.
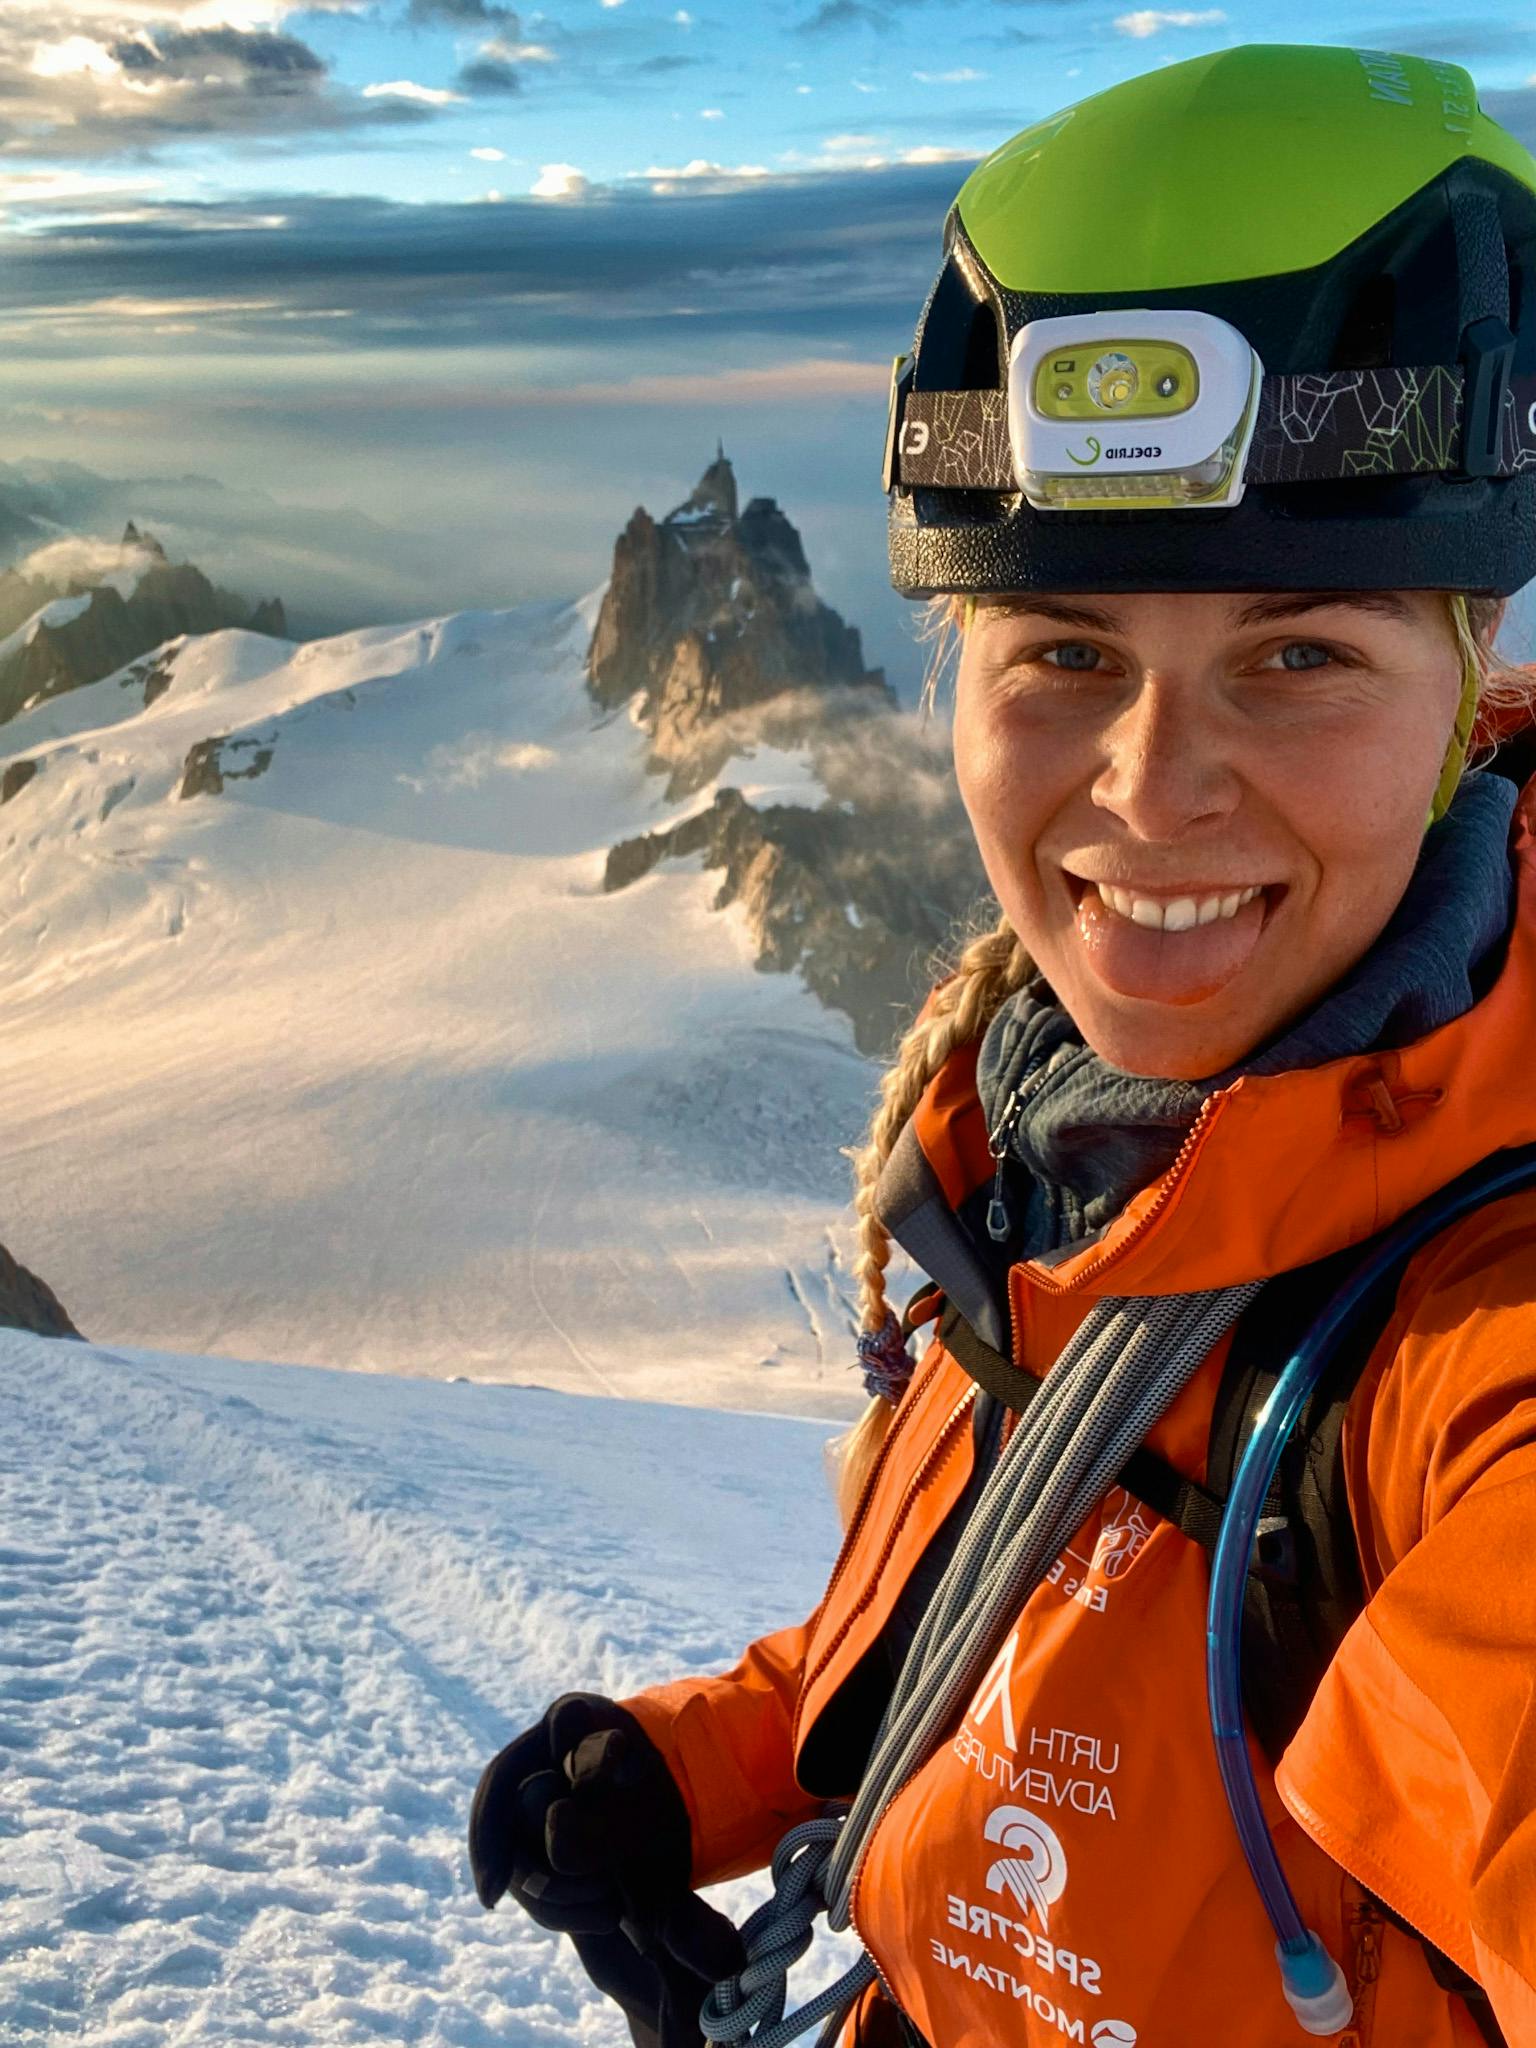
[1198,811]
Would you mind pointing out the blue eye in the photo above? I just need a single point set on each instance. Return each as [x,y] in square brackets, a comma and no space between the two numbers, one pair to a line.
[1073,654]
[1313,655]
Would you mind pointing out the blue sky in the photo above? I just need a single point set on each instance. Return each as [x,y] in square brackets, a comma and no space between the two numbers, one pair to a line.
[492,276]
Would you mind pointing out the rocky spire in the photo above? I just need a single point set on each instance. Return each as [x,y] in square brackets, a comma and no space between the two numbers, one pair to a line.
[713,496]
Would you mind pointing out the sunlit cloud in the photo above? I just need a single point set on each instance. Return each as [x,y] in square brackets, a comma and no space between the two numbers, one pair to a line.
[408,89]
[965,75]
[489,156]
[1151,21]
[561,181]
[700,175]
[75,54]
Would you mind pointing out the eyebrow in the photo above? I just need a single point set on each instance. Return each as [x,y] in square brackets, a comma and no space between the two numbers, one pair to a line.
[1257,611]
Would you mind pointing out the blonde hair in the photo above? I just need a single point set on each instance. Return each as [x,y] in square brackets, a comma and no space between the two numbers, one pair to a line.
[994,964]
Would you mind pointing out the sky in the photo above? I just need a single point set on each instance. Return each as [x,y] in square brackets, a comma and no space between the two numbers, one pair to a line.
[482,279]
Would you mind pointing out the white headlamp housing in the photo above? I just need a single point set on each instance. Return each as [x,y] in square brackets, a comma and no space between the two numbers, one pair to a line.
[1131,410]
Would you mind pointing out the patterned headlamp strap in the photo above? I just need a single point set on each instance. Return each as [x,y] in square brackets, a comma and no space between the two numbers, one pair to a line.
[1311,428]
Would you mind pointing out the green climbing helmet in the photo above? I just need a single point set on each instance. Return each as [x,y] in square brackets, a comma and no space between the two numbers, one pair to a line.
[1264,320]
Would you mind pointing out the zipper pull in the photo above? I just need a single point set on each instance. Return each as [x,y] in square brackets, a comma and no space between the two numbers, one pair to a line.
[999,1222]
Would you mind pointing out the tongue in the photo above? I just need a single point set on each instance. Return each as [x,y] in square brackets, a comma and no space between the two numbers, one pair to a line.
[1167,967]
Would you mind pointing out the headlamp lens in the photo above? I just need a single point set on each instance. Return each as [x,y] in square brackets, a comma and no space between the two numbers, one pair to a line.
[1113,381]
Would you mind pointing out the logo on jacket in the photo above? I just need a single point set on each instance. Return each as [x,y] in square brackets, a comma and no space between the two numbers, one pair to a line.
[1035,1870]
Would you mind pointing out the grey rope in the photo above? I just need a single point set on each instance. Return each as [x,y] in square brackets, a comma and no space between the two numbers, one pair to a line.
[1127,1363]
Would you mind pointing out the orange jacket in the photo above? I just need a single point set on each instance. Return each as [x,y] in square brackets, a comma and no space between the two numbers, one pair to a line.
[1065,1868]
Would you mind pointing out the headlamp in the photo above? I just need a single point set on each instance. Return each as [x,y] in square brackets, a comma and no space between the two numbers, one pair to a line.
[1135,411]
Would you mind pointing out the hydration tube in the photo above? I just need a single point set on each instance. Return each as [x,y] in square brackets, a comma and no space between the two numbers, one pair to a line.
[1312,1980]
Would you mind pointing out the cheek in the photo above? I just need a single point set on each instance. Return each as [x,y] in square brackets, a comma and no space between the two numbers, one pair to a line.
[1006,786]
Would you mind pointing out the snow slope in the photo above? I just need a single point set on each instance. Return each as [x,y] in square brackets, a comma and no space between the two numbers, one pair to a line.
[259,1636]
[354,1063]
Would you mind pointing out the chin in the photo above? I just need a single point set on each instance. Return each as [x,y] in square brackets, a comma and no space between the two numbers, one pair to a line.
[1159,1049]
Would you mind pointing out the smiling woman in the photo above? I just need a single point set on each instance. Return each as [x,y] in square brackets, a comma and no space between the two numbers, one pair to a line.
[1195,820]
[1218,1150]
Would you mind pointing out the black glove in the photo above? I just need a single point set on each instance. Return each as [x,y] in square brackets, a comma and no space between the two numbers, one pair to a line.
[581,1821]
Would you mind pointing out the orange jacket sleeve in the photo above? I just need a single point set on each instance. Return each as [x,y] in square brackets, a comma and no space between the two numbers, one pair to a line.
[1416,1766]
[729,1743]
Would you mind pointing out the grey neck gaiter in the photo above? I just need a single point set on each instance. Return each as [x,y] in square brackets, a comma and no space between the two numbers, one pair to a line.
[1092,1136]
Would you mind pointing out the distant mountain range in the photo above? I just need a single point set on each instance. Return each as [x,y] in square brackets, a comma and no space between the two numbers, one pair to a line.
[77,610]
[367,1004]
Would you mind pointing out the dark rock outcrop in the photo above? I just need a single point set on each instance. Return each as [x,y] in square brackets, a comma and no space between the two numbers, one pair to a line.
[710,614]
[205,770]
[27,1303]
[15,777]
[105,630]
[711,622]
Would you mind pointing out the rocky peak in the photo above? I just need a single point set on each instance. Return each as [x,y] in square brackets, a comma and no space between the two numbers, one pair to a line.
[137,542]
[713,497]
[710,618]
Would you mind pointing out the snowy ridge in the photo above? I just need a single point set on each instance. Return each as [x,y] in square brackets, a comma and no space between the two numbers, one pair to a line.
[353,1062]
[259,1638]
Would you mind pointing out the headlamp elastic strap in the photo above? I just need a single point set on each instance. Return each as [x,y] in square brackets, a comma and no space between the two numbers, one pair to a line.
[1312,427]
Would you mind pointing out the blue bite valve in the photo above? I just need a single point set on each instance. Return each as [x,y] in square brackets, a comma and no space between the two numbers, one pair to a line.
[1314,1987]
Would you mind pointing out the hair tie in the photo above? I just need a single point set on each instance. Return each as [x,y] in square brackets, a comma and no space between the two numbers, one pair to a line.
[886,1361]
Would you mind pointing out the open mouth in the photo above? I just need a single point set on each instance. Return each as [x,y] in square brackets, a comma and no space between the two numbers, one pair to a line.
[1175,913]
[1172,945]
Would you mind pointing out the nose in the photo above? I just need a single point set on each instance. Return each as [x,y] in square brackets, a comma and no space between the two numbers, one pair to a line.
[1165,770]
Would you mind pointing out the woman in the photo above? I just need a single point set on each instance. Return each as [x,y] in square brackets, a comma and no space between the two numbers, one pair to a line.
[1218,442]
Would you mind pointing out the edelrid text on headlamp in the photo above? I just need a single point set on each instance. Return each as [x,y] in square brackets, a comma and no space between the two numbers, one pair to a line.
[1133,409]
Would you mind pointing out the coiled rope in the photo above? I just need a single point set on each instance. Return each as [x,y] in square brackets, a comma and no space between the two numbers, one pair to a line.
[1123,1369]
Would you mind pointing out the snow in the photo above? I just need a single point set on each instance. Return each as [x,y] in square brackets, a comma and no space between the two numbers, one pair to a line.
[59,611]
[262,1628]
[355,1063]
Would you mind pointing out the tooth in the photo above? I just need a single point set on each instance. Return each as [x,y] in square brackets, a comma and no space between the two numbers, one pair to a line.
[1249,894]
[1145,912]
[1210,909]
[1122,901]
[1181,915]
[1106,894]
[1229,904]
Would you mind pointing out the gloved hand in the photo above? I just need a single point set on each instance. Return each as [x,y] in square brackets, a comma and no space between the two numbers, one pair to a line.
[580,1820]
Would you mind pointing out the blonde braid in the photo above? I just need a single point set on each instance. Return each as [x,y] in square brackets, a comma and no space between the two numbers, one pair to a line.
[988,971]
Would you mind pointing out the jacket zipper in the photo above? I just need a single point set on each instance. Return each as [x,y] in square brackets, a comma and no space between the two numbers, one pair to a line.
[937,1451]
[999,1222]
[1167,1187]
[1364,1925]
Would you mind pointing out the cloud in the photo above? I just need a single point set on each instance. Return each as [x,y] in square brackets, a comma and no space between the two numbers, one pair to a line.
[658,65]
[822,261]
[1151,21]
[1514,110]
[702,175]
[489,75]
[836,14]
[1467,41]
[490,156]
[462,13]
[78,83]
[408,89]
[965,75]
[561,181]
[162,56]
